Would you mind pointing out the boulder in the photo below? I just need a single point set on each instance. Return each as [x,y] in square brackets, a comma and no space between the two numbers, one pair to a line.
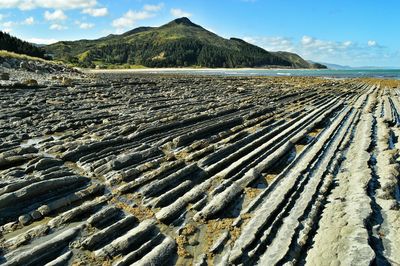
[25,219]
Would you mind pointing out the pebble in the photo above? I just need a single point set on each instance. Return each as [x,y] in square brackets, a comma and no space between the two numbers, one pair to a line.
[25,219]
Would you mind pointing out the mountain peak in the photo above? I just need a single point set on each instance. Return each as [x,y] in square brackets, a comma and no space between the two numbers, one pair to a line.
[183,21]
[180,43]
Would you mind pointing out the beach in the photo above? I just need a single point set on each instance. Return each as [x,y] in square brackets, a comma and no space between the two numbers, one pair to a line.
[131,167]
[330,73]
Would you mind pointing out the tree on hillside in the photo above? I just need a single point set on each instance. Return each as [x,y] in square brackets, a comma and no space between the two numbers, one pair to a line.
[13,44]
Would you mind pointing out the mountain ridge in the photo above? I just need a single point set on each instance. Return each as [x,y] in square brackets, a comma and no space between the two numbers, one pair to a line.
[179,43]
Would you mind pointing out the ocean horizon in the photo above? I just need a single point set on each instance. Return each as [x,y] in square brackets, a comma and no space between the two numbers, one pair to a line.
[329,73]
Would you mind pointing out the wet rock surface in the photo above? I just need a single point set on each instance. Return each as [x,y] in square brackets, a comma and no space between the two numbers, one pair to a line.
[122,169]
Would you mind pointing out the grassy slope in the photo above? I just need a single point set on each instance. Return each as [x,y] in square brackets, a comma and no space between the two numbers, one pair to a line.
[7,54]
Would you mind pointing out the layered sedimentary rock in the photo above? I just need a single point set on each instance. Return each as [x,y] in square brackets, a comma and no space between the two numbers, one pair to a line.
[190,170]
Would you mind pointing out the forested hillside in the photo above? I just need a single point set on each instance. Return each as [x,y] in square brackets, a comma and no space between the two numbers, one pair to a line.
[13,44]
[179,43]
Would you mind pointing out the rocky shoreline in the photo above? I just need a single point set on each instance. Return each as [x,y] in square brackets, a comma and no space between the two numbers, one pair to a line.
[20,72]
[123,169]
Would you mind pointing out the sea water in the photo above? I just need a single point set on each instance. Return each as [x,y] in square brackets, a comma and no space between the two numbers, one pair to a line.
[353,73]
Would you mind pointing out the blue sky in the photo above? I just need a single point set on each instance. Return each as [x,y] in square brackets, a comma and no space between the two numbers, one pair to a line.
[352,32]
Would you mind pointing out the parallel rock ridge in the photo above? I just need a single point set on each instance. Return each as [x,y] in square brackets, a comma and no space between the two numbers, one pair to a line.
[118,169]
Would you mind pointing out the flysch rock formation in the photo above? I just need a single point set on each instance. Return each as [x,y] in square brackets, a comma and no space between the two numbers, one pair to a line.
[122,169]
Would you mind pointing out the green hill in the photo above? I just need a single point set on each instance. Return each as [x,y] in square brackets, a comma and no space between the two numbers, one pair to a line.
[179,43]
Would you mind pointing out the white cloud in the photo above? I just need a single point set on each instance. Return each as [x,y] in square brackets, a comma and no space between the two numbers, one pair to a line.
[307,40]
[153,7]
[96,12]
[29,21]
[330,51]
[130,18]
[41,40]
[56,15]
[347,43]
[86,26]
[58,27]
[9,24]
[9,3]
[55,4]
[176,12]
[372,43]
[272,43]
[312,44]
[6,30]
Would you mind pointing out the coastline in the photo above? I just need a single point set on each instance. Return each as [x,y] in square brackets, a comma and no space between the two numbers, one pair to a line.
[144,70]
[272,72]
